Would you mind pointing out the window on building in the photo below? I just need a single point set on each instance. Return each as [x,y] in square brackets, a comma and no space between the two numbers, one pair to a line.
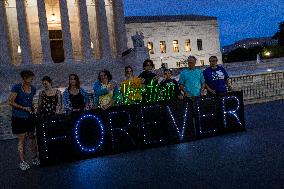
[175,46]
[201,63]
[187,46]
[150,47]
[163,48]
[199,44]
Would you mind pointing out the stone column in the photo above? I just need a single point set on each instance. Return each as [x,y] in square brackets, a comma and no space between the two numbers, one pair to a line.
[119,27]
[23,32]
[66,33]
[5,56]
[102,29]
[85,31]
[44,35]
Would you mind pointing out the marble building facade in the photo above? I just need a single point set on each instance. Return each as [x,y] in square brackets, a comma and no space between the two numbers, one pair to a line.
[51,31]
[54,31]
[171,39]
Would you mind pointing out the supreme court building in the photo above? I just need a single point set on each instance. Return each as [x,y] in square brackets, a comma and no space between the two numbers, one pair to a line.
[52,31]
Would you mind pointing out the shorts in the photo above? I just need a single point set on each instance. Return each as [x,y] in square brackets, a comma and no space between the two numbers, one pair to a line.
[22,125]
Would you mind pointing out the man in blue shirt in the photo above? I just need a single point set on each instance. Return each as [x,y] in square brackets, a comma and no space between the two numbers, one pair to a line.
[216,78]
[191,80]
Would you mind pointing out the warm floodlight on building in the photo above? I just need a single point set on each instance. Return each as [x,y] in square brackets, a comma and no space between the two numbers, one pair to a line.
[19,49]
[53,17]
[267,53]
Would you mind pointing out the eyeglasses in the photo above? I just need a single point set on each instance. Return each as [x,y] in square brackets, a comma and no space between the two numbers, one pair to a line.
[128,71]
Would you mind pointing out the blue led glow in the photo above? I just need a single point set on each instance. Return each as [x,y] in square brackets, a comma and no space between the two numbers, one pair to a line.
[230,112]
[45,139]
[180,133]
[57,138]
[143,109]
[77,135]
[204,115]
[120,130]
[134,127]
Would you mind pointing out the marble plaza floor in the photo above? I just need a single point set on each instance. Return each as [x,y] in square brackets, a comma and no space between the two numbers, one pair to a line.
[251,159]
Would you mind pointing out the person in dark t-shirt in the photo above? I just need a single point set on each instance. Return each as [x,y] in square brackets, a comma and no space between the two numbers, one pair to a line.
[147,75]
[150,81]
[169,87]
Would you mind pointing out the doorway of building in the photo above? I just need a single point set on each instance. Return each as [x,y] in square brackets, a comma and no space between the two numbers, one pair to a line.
[56,46]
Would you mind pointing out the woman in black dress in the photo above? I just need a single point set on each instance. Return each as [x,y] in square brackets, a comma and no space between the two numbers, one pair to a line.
[50,100]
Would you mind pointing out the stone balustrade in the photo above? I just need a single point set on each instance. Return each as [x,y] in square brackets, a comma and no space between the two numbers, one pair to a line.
[259,88]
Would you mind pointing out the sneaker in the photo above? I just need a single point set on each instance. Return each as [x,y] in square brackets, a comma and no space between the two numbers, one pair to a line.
[24,166]
[35,161]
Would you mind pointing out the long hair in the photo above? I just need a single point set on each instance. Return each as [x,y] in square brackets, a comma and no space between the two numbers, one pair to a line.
[108,74]
[126,68]
[76,79]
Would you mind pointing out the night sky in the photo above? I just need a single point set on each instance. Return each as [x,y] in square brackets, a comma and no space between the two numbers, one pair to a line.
[238,19]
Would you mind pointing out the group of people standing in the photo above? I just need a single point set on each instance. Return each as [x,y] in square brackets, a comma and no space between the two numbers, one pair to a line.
[192,82]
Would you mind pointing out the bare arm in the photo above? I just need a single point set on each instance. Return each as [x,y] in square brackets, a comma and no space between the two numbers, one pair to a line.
[39,104]
[209,89]
[186,94]
[12,103]
[228,84]
[111,102]
[202,89]
[59,106]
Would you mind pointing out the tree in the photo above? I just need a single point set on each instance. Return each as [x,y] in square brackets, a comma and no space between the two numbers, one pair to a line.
[279,35]
[242,54]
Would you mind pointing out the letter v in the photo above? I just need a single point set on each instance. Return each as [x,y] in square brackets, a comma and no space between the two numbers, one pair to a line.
[180,131]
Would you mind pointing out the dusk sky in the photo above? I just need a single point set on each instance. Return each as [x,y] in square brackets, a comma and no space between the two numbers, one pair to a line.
[238,19]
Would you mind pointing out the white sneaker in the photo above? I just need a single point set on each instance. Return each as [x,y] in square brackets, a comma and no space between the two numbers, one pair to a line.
[24,166]
[35,161]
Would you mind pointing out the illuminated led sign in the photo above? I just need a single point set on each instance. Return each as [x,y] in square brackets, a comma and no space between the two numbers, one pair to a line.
[123,128]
